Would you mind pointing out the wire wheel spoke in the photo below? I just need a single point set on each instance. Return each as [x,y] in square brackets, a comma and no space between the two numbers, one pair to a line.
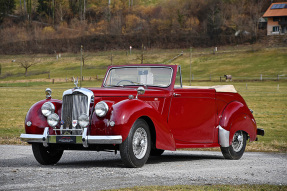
[237,142]
[140,143]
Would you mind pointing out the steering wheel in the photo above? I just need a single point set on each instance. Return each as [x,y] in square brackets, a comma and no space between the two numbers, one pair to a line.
[126,81]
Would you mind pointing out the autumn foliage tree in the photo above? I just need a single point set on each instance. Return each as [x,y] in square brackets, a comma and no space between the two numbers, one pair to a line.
[169,23]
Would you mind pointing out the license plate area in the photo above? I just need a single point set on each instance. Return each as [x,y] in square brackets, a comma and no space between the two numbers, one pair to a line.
[66,139]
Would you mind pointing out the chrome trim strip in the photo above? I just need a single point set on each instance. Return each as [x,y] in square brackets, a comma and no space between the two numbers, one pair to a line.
[115,139]
[67,129]
[108,72]
[33,138]
[84,91]
[223,137]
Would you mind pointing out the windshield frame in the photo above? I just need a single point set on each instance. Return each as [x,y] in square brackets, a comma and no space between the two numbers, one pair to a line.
[139,66]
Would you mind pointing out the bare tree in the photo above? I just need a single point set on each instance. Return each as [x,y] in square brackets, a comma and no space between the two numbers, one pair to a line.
[84,57]
[27,63]
[255,12]
[141,57]
[111,57]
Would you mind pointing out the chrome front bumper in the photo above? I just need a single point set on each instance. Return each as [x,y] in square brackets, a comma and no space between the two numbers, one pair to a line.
[84,139]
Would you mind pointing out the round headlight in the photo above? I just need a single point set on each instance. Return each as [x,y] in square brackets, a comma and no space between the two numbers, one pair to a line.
[83,120]
[101,109]
[47,108]
[53,119]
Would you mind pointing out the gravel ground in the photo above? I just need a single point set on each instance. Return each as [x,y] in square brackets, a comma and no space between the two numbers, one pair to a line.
[88,170]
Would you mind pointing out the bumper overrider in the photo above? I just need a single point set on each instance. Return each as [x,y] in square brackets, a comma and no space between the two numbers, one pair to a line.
[83,139]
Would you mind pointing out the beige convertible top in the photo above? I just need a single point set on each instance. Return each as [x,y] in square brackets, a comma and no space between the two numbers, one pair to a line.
[219,88]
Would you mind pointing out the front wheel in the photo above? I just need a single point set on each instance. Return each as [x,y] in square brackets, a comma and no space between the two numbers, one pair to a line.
[135,149]
[46,155]
[237,147]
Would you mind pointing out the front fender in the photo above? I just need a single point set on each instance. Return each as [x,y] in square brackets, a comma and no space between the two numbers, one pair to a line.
[236,116]
[37,119]
[126,112]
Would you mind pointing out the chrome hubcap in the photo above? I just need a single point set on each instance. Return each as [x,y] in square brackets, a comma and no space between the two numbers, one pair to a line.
[140,143]
[237,142]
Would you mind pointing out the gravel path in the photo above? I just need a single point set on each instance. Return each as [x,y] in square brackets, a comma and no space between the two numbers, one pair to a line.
[86,170]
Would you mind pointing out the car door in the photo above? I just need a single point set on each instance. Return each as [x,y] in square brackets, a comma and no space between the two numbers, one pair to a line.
[192,115]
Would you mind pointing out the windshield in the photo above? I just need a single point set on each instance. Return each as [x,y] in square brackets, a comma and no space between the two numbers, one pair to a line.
[129,76]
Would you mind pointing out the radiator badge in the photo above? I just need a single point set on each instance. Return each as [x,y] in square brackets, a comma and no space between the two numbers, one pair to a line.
[74,123]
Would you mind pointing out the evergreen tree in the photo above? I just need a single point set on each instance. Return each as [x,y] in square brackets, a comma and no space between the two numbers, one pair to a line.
[6,7]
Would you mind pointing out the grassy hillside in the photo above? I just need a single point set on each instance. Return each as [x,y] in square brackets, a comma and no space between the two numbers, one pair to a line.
[240,62]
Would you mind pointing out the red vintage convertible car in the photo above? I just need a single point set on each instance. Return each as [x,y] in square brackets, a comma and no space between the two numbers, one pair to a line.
[140,110]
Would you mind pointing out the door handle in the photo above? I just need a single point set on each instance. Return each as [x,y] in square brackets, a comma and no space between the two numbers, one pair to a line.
[176,95]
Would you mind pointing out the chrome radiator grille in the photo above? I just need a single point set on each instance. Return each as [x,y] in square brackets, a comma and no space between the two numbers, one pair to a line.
[73,106]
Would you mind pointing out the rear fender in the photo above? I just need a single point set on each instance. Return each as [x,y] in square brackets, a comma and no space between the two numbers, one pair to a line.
[126,112]
[236,116]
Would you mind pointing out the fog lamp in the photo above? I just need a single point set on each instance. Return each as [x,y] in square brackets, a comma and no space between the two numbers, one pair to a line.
[83,120]
[53,119]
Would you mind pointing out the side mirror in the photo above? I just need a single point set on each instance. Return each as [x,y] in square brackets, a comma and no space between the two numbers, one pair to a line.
[140,91]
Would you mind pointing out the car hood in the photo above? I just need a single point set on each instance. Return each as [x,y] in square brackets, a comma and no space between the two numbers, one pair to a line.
[125,92]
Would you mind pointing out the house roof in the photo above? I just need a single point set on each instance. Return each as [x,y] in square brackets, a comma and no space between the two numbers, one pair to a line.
[276,10]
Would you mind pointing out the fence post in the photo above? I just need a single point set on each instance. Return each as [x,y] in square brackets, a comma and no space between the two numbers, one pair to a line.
[220,78]
[261,77]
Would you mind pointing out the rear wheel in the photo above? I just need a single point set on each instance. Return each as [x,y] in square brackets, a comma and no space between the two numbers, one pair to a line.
[237,147]
[135,149]
[46,155]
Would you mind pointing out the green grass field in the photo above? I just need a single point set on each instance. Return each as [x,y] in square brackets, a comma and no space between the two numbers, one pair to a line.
[267,98]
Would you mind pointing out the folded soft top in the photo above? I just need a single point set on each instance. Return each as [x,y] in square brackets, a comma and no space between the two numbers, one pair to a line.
[218,88]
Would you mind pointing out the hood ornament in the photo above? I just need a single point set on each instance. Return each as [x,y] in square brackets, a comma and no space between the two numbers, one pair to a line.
[76,81]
